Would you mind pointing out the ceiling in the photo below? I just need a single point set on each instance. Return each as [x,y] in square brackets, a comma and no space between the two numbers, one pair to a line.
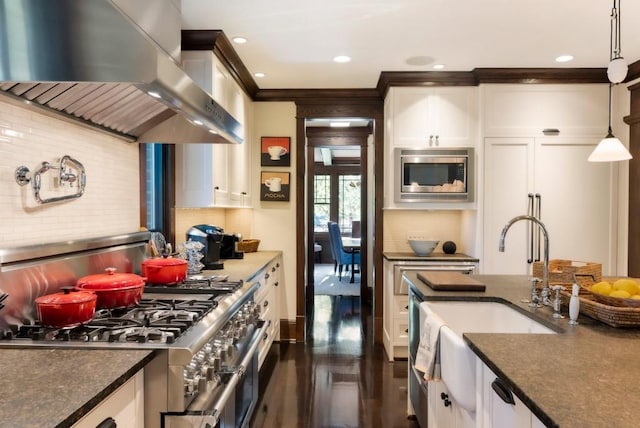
[293,42]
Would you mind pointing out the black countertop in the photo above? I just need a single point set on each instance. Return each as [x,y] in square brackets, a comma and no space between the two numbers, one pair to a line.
[585,376]
[42,387]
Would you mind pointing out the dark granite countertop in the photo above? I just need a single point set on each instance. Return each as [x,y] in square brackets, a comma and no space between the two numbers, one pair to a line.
[585,376]
[56,387]
[433,257]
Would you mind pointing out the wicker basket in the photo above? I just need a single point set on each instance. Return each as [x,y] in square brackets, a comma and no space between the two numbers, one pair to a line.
[615,316]
[607,300]
[563,272]
[248,245]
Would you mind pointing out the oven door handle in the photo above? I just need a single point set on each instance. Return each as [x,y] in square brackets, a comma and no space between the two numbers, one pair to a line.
[239,372]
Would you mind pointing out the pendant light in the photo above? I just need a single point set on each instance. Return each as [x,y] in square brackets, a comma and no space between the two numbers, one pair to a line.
[610,149]
[617,69]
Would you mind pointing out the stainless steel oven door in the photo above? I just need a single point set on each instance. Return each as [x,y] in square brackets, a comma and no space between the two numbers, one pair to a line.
[233,404]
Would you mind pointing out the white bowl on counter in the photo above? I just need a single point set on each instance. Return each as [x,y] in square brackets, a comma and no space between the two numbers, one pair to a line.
[423,247]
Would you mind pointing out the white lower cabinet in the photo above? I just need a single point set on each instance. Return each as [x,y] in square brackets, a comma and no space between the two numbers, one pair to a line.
[444,412]
[125,406]
[499,407]
[267,297]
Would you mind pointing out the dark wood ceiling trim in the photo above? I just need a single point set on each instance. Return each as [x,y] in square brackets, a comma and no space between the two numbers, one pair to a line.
[540,75]
[320,96]
[634,71]
[424,78]
[216,41]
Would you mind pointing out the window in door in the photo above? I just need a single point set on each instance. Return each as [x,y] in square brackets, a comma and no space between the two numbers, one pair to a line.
[321,202]
[348,202]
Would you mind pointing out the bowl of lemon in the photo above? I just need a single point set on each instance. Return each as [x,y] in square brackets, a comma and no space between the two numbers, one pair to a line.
[617,292]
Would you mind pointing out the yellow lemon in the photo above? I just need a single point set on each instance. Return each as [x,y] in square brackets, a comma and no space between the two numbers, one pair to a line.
[620,293]
[626,284]
[602,287]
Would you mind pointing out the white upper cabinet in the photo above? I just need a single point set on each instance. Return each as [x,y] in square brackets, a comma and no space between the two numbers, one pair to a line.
[215,175]
[432,117]
[528,110]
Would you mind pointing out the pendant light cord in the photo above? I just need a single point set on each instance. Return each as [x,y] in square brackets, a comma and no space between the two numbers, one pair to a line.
[610,131]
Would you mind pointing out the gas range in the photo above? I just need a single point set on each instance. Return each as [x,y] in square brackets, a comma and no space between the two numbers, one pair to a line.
[204,333]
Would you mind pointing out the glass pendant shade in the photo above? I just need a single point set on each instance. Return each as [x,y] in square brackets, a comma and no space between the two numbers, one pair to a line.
[617,70]
[610,149]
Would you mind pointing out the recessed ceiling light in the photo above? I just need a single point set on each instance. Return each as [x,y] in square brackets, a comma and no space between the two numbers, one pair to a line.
[438,66]
[154,94]
[564,58]
[240,40]
[258,74]
[342,58]
[197,122]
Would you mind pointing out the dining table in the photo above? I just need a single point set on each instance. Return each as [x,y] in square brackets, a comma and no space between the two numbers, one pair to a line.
[352,245]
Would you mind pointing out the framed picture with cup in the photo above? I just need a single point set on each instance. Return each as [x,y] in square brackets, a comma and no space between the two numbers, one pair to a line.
[274,186]
[275,151]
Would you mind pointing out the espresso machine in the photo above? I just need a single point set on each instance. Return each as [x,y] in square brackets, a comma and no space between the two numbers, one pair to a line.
[218,245]
[211,237]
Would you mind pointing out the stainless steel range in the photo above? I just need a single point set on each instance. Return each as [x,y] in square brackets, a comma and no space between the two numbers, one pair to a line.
[205,332]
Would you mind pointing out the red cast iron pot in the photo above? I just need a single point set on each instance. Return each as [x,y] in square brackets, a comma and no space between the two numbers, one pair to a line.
[164,271]
[114,290]
[68,308]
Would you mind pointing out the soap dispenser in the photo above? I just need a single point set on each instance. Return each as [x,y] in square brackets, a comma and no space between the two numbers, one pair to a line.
[574,305]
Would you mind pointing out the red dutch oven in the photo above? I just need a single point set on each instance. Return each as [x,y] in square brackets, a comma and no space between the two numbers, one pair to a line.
[164,270]
[68,308]
[114,290]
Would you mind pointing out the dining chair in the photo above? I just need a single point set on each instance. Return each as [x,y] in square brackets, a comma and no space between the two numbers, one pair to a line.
[343,257]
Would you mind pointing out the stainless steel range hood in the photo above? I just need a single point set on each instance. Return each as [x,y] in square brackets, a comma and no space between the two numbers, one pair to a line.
[89,61]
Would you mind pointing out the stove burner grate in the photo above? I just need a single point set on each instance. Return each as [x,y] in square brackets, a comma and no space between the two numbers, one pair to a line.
[198,284]
[154,321]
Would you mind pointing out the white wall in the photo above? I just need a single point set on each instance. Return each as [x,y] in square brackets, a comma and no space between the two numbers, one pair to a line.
[443,225]
[275,222]
[111,203]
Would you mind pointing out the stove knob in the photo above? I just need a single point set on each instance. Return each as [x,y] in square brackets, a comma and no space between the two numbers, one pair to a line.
[223,355]
[243,331]
[214,363]
[202,384]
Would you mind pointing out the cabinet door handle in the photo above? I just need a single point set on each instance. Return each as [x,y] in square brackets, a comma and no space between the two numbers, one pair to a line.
[407,307]
[538,214]
[502,391]
[275,284]
[445,398]
[266,276]
[531,213]
[273,269]
[266,303]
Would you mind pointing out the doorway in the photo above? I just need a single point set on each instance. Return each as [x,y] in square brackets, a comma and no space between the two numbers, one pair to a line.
[336,177]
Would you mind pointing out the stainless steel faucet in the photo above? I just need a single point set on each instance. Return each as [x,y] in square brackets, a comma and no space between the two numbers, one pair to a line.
[546,292]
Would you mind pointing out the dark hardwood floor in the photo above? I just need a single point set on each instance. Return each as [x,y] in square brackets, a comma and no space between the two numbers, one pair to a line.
[338,378]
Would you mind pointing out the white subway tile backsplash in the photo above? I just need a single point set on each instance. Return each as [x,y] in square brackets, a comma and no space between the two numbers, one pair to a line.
[110,204]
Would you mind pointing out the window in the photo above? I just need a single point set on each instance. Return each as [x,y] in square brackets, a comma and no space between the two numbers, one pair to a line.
[348,201]
[321,202]
[336,196]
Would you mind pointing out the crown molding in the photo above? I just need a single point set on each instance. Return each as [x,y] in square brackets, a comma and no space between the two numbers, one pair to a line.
[217,42]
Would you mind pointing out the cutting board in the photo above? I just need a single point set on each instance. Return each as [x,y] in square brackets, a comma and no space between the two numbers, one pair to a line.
[450,281]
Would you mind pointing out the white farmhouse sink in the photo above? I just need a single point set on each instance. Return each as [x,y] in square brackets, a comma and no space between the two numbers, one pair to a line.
[458,362]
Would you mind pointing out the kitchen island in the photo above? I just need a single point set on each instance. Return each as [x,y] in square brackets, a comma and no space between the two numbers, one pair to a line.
[585,376]
[53,386]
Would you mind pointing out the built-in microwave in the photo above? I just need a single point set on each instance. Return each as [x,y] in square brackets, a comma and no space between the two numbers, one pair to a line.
[434,175]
